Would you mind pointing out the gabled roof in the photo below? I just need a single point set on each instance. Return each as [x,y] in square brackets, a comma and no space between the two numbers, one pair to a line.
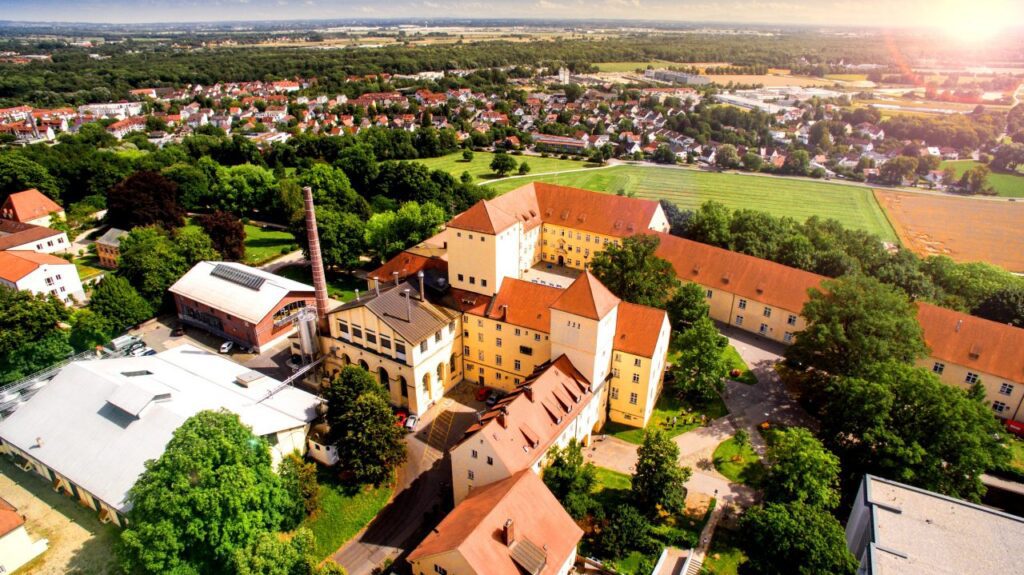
[761,280]
[545,536]
[401,308]
[14,233]
[10,519]
[205,284]
[637,329]
[16,264]
[973,342]
[123,412]
[28,205]
[523,425]
[111,237]
[407,264]
[586,297]
[524,304]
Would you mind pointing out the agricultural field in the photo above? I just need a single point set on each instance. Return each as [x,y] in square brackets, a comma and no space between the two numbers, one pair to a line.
[480,167]
[1007,185]
[854,206]
[633,66]
[964,229]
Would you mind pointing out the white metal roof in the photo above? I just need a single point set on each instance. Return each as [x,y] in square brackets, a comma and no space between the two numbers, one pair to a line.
[251,305]
[99,421]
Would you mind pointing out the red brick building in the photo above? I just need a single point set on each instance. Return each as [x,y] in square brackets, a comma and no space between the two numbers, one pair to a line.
[248,306]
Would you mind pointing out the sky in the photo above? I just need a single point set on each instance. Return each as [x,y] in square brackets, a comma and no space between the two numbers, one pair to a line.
[978,15]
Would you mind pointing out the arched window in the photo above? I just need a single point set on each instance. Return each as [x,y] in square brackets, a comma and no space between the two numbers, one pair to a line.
[404,384]
[364,365]
[345,359]
[382,376]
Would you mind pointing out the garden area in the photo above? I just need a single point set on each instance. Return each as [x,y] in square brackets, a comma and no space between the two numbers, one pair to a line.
[724,557]
[738,366]
[736,459]
[340,286]
[263,244]
[673,416]
[1005,184]
[344,511]
[480,166]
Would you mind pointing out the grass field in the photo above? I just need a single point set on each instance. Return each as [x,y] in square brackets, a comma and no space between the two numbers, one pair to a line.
[480,167]
[263,245]
[339,286]
[343,513]
[847,77]
[1007,185]
[739,464]
[631,66]
[724,557]
[668,407]
[853,206]
[736,362]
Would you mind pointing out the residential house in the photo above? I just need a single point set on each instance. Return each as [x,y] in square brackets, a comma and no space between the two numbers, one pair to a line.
[31,207]
[41,274]
[16,546]
[108,247]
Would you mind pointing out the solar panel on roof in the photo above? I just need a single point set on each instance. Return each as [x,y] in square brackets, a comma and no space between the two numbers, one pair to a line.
[237,276]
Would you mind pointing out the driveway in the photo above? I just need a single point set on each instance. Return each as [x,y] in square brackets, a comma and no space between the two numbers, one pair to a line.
[423,493]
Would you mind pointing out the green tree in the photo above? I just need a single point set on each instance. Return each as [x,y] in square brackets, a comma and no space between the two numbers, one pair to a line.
[801,469]
[332,189]
[269,554]
[1004,306]
[211,493]
[701,367]
[144,199]
[246,188]
[788,539]
[18,173]
[659,482]
[797,163]
[342,238]
[467,155]
[626,529]
[710,224]
[632,272]
[726,157]
[88,330]
[226,232]
[899,169]
[524,168]
[752,162]
[363,427]
[298,477]
[502,164]
[30,334]
[570,479]
[115,300]
[902,422]
[360,165]
[193,184]
[663,155]
[975,180]
[390,232]
[856,321]
[150,261]
[194,246]
[687,306]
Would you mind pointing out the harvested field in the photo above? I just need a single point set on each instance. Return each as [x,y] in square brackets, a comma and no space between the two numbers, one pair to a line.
[964,229]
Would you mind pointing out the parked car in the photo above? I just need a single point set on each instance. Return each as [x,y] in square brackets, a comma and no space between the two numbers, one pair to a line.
[149,351]
[227,346]
[482,393]
[411,421]
[141,351]
[493,398]
[135,348]
[178,331]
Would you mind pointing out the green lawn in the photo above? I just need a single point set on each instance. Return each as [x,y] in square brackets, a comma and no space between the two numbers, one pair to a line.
[630,66]
[87,266]
[667,408]
[343,513]
[1008,185]
[724,557]
[263,245]
[480,167]
[339,286]
[739,464]
[736,362]
[854,206]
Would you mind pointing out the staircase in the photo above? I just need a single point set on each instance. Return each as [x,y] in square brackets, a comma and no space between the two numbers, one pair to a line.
[694,566]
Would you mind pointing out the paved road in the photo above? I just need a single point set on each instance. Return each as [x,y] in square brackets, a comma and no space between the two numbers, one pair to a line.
[289,259]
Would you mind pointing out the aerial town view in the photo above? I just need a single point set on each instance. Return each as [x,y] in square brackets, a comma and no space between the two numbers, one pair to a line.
[521,287]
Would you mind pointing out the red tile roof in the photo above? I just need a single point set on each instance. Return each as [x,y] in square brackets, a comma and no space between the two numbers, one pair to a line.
[14,234]
[529,304]
[586,297]
[975,343]
[16,264]
[746,276]
[28,205]
[475,528]
[11,520]
[637,329]
[406,264]
[532,421]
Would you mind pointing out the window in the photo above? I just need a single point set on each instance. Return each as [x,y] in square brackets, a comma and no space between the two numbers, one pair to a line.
[618,357]
[49,281]
[708,294]
[437,336]
[739,320]
[633,398]
[615,372]
[474,454]
[636,378]
[791,320]
[371,336]
[437,568]
[470,474]
[385,342]
[451,327]
[399,348]
[472,280]
[1006,388]
[767,312]
[518,331]
[525,350]
[497,327]
[479,323]
[497,342]
[483,282]
[480,337]
[490,460]
[497,359]
[536,337]
[357,331]
[938,367]
[764,329]
[518,365]
[636,362]
[423,346]
[615,392]
[461,277]
[743,304]
[480,354]
[465,350]
[971,378]
[787,337]
[998,406]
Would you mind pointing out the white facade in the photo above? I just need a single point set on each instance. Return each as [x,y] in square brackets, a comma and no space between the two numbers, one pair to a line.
[60,280]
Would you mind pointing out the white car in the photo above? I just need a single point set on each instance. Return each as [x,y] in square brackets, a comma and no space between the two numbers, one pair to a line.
[227,346]
[411,421]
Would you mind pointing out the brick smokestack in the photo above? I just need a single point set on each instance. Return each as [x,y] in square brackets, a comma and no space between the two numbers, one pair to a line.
[319,279]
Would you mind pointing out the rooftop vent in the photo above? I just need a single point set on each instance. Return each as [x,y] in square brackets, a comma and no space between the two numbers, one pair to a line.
[246,379]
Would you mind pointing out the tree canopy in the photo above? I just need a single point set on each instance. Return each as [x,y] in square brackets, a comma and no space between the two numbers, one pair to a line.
[570,479]
[795,538]
[659,482]
[801,469]
[143,199]
[633,273]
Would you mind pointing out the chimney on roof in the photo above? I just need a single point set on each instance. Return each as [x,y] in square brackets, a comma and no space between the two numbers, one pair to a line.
[503,417]
[504,312]
[408,305]
[423,294]
[528,392]
[508,532]
[396,278]
[319,279]
[376,285]
[959,324]
[357,294]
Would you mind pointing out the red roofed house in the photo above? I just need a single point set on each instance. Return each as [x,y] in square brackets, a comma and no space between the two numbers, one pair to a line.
[30,207]
[510,527]
[40,273]
[16,547]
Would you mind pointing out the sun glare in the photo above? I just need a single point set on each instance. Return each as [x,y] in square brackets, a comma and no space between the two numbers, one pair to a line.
[977,21]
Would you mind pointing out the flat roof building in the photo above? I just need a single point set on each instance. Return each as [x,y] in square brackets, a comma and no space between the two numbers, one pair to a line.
[896,529]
